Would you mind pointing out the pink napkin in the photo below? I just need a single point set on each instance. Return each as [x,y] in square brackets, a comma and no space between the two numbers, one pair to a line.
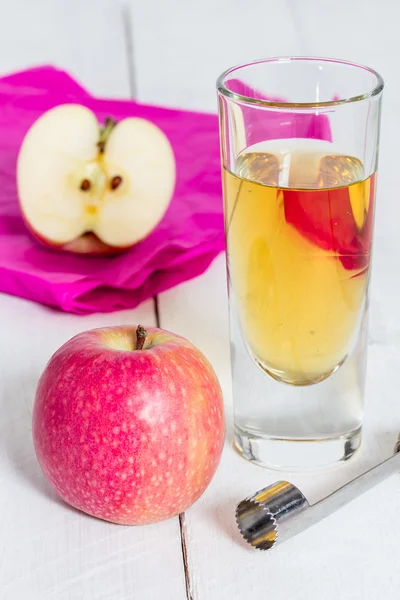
[181,247]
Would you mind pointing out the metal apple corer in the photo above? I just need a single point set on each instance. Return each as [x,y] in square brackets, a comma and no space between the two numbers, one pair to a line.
[281,511]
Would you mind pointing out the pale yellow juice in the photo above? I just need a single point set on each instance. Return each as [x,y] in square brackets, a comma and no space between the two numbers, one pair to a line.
[298,240]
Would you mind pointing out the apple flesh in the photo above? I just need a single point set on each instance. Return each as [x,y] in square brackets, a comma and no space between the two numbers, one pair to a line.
[128,424]
[91,189]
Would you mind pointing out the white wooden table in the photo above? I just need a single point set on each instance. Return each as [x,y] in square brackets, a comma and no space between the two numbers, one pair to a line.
[171,52]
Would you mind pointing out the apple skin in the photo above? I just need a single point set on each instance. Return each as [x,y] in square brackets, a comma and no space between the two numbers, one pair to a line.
[88,244]
[129,436]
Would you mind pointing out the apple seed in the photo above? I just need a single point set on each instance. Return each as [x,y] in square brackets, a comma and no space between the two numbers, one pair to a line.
[116,182]
[86,185]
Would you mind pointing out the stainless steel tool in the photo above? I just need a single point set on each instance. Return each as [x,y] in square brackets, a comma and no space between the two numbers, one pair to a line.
[281,511]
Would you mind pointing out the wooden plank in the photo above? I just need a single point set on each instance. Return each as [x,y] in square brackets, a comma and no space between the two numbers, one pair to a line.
[86,38]
[181,47]
[48,550]
[328,561]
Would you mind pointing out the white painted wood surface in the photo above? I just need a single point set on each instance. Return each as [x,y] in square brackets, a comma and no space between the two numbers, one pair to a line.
[49,551]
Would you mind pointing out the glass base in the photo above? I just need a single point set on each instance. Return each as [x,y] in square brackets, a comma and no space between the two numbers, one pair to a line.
[296,455]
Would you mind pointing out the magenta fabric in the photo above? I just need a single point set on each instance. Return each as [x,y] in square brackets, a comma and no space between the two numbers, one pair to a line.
[181,247]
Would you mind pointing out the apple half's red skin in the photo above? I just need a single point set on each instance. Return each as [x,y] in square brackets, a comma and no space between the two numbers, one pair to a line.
[129,436]
[88,244]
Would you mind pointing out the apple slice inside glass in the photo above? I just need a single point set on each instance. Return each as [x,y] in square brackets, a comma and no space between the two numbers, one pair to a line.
[338,219]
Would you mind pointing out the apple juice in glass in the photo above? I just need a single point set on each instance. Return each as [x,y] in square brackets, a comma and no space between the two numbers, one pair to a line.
[299,179]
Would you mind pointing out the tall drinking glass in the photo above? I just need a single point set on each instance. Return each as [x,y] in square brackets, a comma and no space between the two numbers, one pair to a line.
[299,145]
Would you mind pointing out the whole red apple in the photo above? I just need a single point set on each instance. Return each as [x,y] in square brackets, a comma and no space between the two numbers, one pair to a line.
[128,424]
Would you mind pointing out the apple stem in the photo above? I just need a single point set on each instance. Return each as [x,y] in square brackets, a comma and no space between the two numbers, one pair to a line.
[105,131]
[141,334]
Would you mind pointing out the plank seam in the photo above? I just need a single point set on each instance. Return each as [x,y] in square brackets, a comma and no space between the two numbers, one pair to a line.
[128,35]
[185,556]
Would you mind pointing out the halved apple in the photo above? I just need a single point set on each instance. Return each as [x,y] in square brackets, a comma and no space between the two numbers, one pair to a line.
[93,189]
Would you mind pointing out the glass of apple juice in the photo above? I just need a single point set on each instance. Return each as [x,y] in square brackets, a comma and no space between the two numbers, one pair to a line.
[299,146]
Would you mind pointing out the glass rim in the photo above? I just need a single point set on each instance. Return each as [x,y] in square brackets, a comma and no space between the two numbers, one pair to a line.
[222,89]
